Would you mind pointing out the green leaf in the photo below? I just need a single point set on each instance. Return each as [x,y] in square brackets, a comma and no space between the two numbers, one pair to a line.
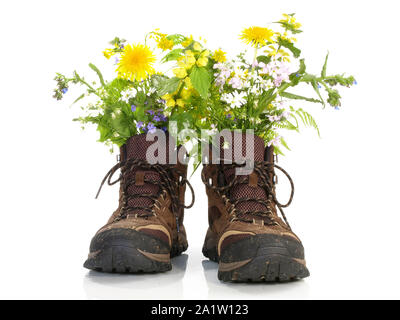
[176,38]
[172,55]
[296,76]
[121,124]
[140,113]
[297,97]
[79,98]
[201,80]
[169,85]
[283,142]
[289,45]
[306,118]
[95,69]
[323,72]
[316,89]
[264,59]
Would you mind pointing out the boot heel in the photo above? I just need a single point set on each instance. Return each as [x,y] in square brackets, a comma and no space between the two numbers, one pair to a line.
[210,246]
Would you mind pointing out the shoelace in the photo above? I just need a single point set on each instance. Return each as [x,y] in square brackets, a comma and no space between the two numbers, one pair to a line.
[262,169]
[166,184]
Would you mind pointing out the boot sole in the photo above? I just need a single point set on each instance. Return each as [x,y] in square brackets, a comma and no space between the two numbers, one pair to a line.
[128,251]
[260,258]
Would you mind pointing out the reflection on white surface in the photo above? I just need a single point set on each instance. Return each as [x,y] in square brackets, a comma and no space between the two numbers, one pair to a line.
[190,278]
[218,289]
[167,285]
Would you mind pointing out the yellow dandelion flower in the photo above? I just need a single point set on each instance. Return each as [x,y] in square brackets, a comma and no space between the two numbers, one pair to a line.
[165,44]
[188,41]
[257,36]
[219,56]
[136,62]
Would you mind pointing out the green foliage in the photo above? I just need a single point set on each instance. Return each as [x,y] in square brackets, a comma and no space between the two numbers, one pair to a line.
[305,117]
[289,45]
[201,80]
[95,69]
[293,96]
[168,85]
[247,95]
[172,55]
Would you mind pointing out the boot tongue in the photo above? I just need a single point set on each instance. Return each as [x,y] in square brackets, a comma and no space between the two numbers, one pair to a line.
[239,149]
[136,148]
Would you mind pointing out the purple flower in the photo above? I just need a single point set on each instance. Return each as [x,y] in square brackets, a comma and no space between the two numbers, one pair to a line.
[164,129]
[151,127]
[355,82]
[228,116]
[275,141]
[150,112]
[140,125]
[236,83]
[156,118]
[133,108]
[319,87]
[65,90]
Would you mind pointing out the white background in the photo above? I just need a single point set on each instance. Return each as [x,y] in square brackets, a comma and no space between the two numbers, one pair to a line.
[346,207]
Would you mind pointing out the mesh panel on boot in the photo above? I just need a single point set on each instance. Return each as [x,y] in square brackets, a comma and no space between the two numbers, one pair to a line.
[244,190]
[136,147]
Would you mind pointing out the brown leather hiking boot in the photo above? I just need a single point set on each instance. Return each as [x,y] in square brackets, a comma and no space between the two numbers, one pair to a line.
[245,235]
[147,228]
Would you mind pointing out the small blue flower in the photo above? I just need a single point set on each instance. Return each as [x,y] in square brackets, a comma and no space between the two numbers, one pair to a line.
[156,118]
[65,90]
[319,87]
[151,127]
[297,75]
[337,108]
[228,116]
[150,112]
[164,129]
[116,60]
[355,82]
[140,125]
[133,108]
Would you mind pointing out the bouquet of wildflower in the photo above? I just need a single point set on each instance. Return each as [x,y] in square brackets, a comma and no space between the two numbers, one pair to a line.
[201,89]
[256,94]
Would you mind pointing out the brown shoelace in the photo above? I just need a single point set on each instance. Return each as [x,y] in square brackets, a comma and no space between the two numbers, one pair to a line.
[167,183]
[263,169]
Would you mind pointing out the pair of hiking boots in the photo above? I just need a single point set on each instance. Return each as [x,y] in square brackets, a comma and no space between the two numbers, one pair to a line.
[245,236]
